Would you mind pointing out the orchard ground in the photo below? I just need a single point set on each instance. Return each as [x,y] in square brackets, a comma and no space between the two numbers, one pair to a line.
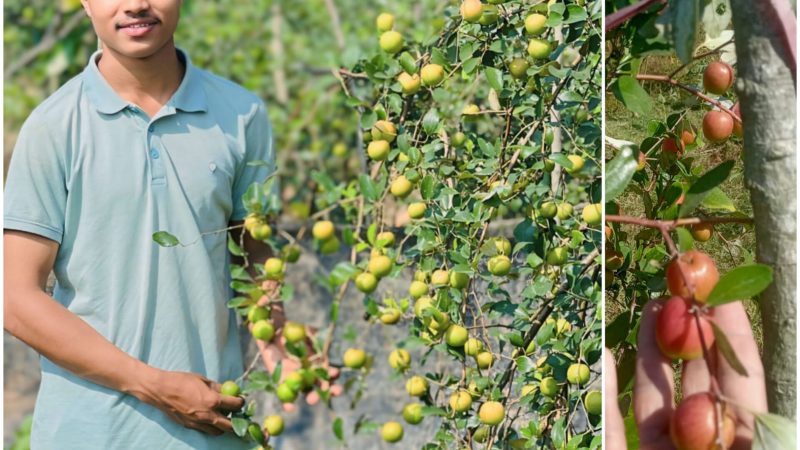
[729,247]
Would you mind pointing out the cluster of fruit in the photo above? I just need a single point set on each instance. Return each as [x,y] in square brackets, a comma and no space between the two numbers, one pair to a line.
[683,331]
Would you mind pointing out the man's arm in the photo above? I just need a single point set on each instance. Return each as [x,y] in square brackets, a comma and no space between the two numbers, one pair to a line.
[55,332]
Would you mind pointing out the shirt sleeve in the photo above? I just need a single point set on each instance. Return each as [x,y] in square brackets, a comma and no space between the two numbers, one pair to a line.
[258,147]
[35,194]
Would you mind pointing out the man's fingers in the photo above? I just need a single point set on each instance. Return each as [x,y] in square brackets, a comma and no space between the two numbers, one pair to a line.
[653,387]
[333,373]
[289,407]
[227,403]
[615,427]
[222,423]
[694,377]
[336,390]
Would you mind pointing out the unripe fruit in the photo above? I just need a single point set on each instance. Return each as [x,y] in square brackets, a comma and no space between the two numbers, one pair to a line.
[502,245]
[471,110]
[534,24]
[577,164]
[549,164]
[274,425]
[230,388]
[294,332]
[484,360]
[409,83]
[261,232]
[273,267]
[401,187]
[354,358]
[385,238]
[557,256]
[717,126]
[257,313]
[400,359]
[391,42]
[417,386]
[263,330]
[548,387]
[366,282]
[592,214]
[481,434]
[329,246]
[378,150]
[718,77]
[700,272]
[421,305]
[458,139]
[294,380]
[251,221]
[390,316]
[474,390]
[538,49]
[702,232]
[456,336]
[676,331]
[380,265]
[392,431]
[499,265]
[460,401]
[489,15]
[440,277]
[417,210]
[417,289]
[593,401]
[578,374]
[432,74]
[412,413]
[322,230]
[518,68]
[694,424]
[548,210]
[471,10]
[291,253]
[472,347]
[458,280]
[384,22]
[285,393]
[440,324]
[385,130]
[492,413]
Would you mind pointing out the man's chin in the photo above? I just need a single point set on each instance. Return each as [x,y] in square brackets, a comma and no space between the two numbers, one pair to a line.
[135,51]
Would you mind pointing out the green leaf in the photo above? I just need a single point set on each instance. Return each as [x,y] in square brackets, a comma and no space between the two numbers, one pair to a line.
[337,429]
[701,188]
[684,27]
[367,187]
[165,239]
[233,246]
[343,272]
[628,90]
[724,346]
[372,233]
[718,200]
[430,123]
[561,159]
[495,78]
[617,330]
[740,283]
[685,240]
[426,187]
[240,426]
[408,63]
[619,172]
[774,432]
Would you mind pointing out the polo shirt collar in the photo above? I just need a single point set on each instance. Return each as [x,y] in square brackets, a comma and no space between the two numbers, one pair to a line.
[190,96]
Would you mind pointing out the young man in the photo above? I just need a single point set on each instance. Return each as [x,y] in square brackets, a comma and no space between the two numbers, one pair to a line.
[137,336]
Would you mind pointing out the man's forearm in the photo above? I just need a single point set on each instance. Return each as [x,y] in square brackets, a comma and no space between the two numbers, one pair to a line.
[64,338]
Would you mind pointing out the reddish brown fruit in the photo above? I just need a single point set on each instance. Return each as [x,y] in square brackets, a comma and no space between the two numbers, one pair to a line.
[672,145]
[694,424]
[676,331]
[737,126]
[702,231]
[718,77]
[692,275]
[687,137]
[717,126]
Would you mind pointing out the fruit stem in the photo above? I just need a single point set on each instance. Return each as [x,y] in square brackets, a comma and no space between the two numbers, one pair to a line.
[623,15]
[672,224]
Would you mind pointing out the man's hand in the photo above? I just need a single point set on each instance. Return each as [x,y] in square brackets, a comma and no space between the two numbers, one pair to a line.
[192,400]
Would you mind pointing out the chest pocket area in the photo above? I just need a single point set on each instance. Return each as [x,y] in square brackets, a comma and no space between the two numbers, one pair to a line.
[200,166]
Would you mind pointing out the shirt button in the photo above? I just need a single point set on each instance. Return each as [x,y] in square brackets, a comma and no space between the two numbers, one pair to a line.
[154,154]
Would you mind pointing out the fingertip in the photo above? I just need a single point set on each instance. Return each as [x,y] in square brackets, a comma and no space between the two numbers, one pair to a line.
[336,390]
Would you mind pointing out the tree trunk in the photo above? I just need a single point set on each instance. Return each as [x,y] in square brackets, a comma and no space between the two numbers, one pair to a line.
[767,95]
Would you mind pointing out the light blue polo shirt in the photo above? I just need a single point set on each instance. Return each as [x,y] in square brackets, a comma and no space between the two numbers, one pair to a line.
[98,176]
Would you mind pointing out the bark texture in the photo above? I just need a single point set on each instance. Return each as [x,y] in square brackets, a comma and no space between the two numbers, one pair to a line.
[767,95]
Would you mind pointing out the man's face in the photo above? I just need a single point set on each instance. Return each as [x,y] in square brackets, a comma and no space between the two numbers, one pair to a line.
[134,28]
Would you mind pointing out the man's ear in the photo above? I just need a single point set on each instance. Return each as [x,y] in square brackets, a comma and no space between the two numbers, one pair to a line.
[86,8]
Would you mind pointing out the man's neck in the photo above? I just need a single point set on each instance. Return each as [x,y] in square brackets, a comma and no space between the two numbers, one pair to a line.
[147,82]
